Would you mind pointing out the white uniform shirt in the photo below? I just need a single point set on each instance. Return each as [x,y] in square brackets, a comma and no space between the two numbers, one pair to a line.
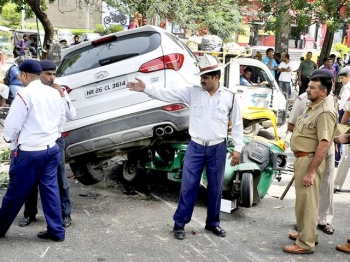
[345,94]
[69,109]
[209,115]
[34,116]
[286,76]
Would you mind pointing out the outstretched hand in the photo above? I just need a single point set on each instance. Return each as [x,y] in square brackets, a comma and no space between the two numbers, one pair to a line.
[138,86]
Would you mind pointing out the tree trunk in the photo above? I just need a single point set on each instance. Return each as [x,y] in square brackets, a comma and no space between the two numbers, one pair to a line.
[45,21]
[282,37]
[327,46]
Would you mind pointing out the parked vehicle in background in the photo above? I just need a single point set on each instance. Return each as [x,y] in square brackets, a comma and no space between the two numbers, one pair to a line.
[115,17]
[89,37]
[110,119]
[64,34]
[35,39]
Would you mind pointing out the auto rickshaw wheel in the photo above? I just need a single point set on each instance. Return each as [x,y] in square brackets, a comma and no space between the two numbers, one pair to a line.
[247,190]
[129,170]
[252,130]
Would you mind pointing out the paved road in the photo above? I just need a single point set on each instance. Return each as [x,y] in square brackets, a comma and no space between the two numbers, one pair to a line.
[110,226]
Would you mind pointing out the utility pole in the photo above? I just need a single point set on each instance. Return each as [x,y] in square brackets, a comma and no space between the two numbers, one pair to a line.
[23,14]
[87,16]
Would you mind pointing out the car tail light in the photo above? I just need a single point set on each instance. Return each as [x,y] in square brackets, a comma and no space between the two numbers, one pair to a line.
[64,134]
[104,40]
[172,61]
[67,88]
[173,107]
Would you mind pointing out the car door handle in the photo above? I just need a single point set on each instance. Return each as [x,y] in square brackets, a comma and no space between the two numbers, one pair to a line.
[240,91]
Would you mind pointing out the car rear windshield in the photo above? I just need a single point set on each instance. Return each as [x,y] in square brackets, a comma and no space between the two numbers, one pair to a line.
[111,51]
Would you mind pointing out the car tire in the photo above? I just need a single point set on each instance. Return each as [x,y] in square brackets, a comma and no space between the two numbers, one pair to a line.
[87,172]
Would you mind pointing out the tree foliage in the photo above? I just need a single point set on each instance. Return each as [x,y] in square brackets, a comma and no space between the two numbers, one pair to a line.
[10,14]
[307,13]
[218,17]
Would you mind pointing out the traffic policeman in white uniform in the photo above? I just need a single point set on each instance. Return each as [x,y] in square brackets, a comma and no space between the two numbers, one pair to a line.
[211,106]
[47,77]
[32,123]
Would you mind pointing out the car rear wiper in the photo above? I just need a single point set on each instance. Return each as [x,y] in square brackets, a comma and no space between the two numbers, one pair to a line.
[116,58]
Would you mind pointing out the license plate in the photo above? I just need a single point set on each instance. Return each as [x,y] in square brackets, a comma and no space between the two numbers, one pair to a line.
[105,88]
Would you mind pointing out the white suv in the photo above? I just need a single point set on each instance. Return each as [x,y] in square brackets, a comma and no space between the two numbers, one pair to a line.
[111,119]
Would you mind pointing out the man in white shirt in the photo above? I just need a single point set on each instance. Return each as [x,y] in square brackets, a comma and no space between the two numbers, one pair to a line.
[211,106]
[344,163]
[285,68]
[32,123]
[47,77]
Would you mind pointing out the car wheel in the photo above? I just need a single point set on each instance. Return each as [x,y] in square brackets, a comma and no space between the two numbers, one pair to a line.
[107,20]
[252,130]
[247,190]
[87,172]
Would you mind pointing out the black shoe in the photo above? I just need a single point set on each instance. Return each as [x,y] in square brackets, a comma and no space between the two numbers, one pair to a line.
[45,235]
[218,231]
[179,233]
[67,221]
[26,221]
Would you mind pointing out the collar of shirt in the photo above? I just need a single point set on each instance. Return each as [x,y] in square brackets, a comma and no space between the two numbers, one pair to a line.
[314,106]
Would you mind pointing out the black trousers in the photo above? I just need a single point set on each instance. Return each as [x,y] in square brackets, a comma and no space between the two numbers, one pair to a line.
[304,83]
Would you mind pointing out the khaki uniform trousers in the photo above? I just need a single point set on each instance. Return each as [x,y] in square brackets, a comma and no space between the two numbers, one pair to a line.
[306,202]
[326,206]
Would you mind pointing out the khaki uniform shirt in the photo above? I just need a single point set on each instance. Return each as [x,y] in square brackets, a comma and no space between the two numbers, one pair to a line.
[318,122]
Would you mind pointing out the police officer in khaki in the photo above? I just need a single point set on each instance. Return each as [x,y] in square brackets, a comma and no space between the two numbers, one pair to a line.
[312,137]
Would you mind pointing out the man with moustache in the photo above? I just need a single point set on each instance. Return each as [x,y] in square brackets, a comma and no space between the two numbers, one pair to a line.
[312,137]
[211,106]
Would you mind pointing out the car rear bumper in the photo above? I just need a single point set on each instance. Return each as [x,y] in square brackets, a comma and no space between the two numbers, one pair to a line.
[118,135]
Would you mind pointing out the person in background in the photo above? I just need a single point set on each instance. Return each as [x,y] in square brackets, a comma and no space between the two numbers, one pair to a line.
[47,77]
[344,106]
[4,93]
[270,62]
[329,66]
[246,78]
[21,46]
[335,64]
[324,63]
[301,43]
[136,21]
[15,83]
[346,59]
[285,68]
[338,84]
[278,58]
[207,148]
[259,56]
[312,137]
[144,21]
[76,40]
[32,125]
[63,43]
[305,70]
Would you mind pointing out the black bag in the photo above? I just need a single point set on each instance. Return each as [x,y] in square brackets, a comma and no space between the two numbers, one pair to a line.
[16,53]
[7,78]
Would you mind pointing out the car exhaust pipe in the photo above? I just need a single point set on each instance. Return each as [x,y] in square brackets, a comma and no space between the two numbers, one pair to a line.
[159,131]
[168,130]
